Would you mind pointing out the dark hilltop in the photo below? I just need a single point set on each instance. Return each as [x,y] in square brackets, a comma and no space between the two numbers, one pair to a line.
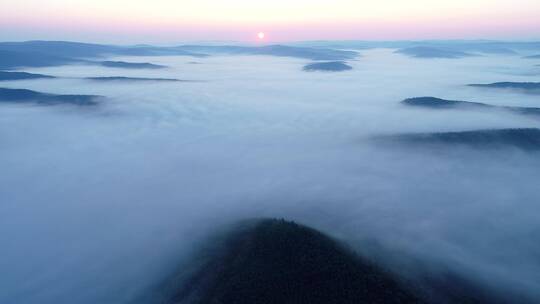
[131,65]
[121,78]
[333,66]
[33,97]
[279,262]
[21,76]
[272,261]
[529,87]
[434,102]
[526,139]
[438,103]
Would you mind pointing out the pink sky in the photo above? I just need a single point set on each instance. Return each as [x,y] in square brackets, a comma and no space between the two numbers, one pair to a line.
[167,21]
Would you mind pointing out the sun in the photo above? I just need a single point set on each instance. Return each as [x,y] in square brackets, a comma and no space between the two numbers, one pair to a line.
[261,35]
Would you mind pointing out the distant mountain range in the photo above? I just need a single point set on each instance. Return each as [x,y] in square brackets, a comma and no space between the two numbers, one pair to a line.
[276,50]
[53,53]
[431,52]
[467,46]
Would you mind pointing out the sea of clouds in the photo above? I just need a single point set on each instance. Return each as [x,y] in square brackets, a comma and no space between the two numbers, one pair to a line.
[99,204]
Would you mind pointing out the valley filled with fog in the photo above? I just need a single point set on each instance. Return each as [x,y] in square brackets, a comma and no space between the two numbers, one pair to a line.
[111,195]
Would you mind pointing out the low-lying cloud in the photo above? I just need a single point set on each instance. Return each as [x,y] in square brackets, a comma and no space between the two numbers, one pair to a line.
[97,206]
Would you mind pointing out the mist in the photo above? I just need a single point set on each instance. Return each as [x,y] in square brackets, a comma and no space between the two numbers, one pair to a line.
[100,204]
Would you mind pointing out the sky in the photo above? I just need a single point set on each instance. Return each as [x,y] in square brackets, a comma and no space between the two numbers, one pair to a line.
[170,21]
